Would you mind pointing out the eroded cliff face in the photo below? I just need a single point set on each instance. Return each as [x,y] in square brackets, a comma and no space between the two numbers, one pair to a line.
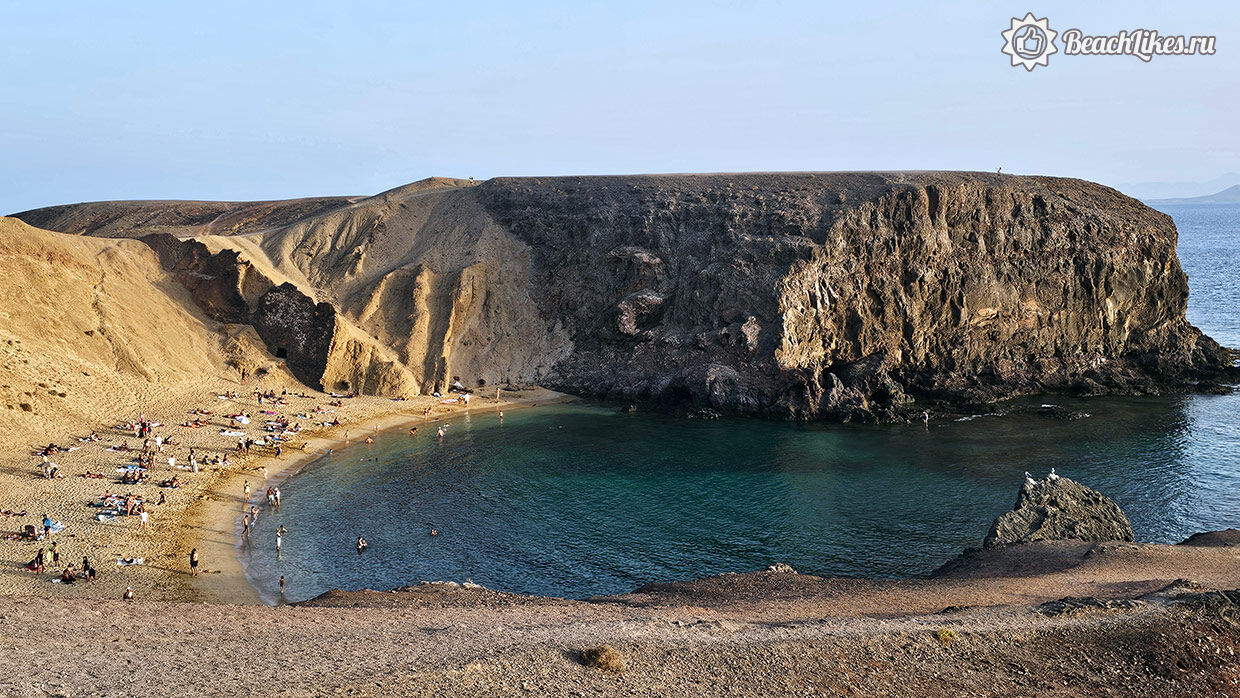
[854,296]
[849,296]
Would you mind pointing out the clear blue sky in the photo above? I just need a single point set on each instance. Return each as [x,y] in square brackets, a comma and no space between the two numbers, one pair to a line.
[221,100]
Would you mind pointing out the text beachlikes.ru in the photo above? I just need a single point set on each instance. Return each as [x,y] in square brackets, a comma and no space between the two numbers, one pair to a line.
[1142,43]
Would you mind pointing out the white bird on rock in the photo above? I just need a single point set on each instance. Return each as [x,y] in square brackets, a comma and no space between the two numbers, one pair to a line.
[1052,476]
[1029,479]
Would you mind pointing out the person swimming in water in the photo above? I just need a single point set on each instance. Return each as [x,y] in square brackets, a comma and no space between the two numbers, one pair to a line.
[361,545]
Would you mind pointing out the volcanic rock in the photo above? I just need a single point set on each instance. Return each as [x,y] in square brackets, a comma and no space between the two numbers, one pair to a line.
[842,296]
[1056,508]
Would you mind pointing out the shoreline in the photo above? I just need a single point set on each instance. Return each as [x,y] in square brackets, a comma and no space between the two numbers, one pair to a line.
[225,580]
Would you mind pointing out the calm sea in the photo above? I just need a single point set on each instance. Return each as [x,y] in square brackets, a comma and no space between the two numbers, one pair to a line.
[578,500]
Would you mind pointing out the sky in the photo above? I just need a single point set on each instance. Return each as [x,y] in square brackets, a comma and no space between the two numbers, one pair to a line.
[247,101]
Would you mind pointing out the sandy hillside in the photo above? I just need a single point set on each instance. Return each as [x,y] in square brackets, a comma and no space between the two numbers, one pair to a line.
[89,327]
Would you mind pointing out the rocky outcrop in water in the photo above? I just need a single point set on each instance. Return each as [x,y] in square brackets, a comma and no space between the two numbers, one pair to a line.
[844,296]
[1056,508]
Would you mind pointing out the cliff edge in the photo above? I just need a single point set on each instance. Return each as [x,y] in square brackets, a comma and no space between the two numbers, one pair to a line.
[845,296]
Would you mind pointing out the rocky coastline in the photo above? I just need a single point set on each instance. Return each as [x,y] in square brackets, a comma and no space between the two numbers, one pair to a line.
[839,296]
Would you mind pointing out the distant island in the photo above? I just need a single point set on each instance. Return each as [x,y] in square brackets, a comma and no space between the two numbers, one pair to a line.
[1230,195]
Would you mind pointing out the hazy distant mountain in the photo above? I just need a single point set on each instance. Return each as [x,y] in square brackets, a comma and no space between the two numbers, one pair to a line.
[1230,195]
[1147,191]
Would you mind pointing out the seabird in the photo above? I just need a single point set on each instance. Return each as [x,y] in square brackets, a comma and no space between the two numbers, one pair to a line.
[1029,479]
[1052,476]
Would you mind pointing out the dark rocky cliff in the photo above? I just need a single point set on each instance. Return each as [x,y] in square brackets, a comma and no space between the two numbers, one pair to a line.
[847,296]
[853,295]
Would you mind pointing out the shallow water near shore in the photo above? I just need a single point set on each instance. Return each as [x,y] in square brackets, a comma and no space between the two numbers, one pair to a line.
[580,499]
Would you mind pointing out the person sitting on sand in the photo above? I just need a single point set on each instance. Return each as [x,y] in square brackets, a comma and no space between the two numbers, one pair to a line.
[36,565]
[68,577]
[128,595]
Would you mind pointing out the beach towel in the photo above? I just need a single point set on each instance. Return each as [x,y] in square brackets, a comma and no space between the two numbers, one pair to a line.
[127,561]
[104,517]
[231,432]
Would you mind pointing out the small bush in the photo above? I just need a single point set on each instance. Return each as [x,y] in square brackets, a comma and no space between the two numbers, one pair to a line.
[945,636]
[603,658]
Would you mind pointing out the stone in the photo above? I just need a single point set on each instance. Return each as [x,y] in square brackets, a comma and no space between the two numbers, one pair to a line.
[1056,508]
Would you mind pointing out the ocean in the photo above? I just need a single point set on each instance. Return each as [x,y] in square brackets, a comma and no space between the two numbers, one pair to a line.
[584,499]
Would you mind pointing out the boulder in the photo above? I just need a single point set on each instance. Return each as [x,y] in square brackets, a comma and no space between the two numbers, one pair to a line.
[1056,508]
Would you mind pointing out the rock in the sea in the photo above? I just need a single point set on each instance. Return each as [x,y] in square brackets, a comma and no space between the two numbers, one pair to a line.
[1056,508]
[1213,539]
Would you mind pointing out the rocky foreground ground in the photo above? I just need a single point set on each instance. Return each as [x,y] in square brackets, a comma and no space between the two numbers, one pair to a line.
[1052,618]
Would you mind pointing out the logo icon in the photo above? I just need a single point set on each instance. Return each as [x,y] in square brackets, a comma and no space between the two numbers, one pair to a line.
[1029,42]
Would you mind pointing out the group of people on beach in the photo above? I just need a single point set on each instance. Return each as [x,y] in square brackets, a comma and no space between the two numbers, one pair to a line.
[137,472]
[156,445]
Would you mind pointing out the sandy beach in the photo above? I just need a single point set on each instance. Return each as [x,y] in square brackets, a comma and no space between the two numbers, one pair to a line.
[204,512]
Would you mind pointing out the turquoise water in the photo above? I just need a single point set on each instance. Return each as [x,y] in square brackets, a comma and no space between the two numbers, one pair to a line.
[577,500]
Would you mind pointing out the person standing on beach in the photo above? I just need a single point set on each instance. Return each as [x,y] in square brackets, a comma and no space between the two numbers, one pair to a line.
[193,562]
[246,490]
[279,542]
[143,517]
